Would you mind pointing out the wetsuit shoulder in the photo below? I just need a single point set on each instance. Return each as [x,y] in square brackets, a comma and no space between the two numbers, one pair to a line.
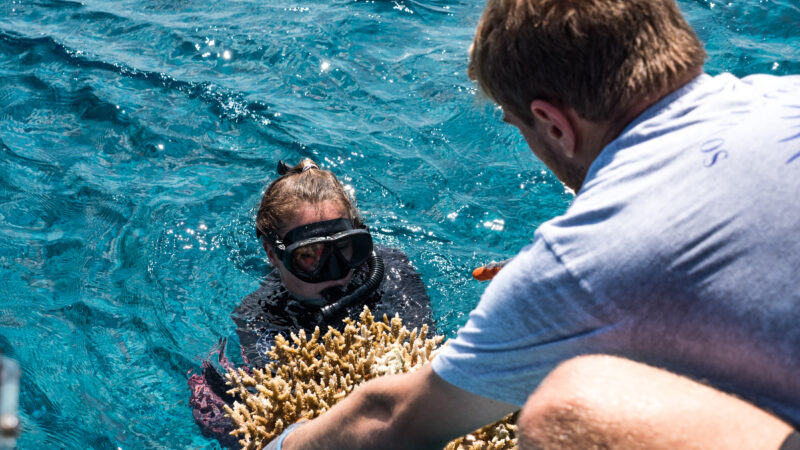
[402,290]
[263,314]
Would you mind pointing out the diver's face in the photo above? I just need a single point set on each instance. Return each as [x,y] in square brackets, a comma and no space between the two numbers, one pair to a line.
[306,214]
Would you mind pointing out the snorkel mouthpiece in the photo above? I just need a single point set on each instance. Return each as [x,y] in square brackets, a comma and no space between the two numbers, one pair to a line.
[332,311]
[333,294]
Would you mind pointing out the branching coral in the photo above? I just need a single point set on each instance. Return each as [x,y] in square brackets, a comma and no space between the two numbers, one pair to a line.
[307,376]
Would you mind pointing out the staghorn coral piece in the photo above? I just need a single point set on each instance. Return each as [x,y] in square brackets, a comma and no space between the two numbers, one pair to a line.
[499,435]
[308,375]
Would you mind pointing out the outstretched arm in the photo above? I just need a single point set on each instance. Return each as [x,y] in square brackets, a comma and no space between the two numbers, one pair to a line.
[415,410]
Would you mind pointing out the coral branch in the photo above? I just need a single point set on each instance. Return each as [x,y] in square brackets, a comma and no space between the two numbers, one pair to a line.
[308,375]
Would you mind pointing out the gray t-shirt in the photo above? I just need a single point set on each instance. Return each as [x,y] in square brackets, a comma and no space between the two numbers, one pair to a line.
[682,250]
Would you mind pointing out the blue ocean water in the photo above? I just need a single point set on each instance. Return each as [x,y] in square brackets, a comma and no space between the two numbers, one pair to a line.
[136,138]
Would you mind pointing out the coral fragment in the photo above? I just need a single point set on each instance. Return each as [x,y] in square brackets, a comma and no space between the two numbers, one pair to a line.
[309,374]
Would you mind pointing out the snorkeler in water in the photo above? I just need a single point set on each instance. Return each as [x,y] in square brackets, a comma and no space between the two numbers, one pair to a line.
[325,267]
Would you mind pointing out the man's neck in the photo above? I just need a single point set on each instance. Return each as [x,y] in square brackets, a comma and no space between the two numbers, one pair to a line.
[607,132]
[592,137]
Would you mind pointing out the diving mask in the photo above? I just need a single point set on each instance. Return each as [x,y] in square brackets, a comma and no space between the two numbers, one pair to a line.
[322,251]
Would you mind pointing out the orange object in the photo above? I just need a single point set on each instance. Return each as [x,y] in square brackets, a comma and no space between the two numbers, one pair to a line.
[488,271]
[484,274]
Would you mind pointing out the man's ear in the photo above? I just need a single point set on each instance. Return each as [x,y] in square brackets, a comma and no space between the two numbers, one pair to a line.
[556,125]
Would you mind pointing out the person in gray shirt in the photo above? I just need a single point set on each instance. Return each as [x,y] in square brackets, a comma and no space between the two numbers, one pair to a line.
[660,310]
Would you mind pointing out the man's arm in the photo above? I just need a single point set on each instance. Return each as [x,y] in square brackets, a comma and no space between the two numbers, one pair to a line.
[416,410]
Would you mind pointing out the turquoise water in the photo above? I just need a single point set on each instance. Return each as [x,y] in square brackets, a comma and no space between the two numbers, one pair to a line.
[135,140]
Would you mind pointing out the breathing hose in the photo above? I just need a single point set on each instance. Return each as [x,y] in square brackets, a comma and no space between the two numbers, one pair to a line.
[376,267]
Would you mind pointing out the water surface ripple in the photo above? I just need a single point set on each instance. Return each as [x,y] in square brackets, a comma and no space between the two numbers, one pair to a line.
[136,137]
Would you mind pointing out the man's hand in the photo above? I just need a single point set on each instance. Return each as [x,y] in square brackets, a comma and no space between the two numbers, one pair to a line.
[415,410]
[277,443]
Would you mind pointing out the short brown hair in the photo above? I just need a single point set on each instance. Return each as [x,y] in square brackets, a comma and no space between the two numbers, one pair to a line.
[599,57]
[302,184]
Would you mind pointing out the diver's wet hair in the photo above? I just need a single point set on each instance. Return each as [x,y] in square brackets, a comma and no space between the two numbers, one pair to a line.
[302,184]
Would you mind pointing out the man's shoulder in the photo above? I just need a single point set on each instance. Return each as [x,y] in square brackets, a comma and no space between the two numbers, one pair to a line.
[705,170]
[714,126]
[769,81]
